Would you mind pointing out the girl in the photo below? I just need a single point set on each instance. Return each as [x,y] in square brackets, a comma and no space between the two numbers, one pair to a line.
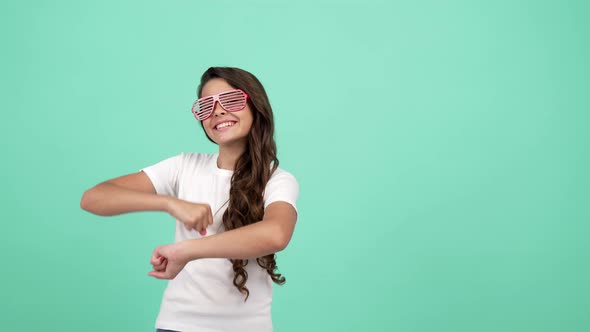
[234,210]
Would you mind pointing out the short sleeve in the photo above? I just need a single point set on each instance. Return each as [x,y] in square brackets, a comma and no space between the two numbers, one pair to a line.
[282,186]
[165,174]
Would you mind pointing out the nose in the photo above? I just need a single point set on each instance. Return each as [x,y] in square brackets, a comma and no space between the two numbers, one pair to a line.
[218,110]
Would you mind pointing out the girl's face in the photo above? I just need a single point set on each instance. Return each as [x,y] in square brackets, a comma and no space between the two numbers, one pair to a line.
[241,121]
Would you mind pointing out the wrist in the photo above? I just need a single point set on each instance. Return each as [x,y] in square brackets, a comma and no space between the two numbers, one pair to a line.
[167,202]
[187,250]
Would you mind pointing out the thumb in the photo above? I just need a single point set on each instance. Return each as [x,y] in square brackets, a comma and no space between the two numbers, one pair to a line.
[158,274]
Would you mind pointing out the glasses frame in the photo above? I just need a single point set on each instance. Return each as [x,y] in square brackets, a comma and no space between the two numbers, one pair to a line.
[215,100]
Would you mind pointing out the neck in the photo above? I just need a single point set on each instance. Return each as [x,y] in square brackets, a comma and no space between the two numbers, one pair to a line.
[228,155]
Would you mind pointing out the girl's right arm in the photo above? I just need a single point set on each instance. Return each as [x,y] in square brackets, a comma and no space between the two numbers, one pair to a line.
[129,193]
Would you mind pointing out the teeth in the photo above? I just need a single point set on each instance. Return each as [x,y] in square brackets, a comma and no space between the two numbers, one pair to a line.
[224,124]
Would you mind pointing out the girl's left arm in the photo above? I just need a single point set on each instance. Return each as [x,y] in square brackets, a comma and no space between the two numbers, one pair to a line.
[270,235]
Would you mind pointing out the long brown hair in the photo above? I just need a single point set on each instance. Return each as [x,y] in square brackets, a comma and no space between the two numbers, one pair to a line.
[253,168]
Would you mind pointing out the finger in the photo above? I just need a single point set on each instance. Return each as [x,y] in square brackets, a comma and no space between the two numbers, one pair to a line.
[205,224]
[155,256]
[210,218]
[156,260]
[161,266]
[201,228]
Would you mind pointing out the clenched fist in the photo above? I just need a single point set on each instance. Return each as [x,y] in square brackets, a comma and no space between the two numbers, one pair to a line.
[167,261]
[195,216]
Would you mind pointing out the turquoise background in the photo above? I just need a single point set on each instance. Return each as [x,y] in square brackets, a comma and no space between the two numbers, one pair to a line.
[441,149]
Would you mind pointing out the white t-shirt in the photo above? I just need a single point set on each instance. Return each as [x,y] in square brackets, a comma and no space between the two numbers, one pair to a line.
[202,296]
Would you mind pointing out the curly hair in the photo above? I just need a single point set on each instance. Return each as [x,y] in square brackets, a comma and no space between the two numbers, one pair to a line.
[253,168]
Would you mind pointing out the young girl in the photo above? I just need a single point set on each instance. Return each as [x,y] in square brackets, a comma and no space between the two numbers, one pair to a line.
[234,209]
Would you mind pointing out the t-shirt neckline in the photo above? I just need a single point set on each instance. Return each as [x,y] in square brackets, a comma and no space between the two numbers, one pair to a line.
[218,170]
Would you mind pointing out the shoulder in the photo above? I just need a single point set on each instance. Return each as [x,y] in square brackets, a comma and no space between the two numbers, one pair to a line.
[282,180]
[282,175]
[282,186]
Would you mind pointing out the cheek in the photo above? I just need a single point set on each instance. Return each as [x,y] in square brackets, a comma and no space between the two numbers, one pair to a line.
[206,128]
[247,123]
[249,119]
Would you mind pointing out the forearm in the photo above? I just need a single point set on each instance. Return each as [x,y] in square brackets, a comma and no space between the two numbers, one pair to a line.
[254,240]
[107,199]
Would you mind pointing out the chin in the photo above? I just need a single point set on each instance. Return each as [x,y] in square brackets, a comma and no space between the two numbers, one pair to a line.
[230,140]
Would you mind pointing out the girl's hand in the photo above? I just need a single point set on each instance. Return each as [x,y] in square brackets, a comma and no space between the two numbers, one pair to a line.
[167,261]
[195,216]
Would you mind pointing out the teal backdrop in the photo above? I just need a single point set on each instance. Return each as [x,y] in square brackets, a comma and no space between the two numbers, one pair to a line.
[441,149]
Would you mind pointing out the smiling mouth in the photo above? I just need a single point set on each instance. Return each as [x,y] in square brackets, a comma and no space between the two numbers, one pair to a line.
[225,125]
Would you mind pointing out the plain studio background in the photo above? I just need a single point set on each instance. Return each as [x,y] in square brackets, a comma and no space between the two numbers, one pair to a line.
[441,148]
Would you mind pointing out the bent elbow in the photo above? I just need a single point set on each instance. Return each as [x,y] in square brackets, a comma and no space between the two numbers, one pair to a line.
[83,201]
[281,240]
[283,245]
[86,201]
